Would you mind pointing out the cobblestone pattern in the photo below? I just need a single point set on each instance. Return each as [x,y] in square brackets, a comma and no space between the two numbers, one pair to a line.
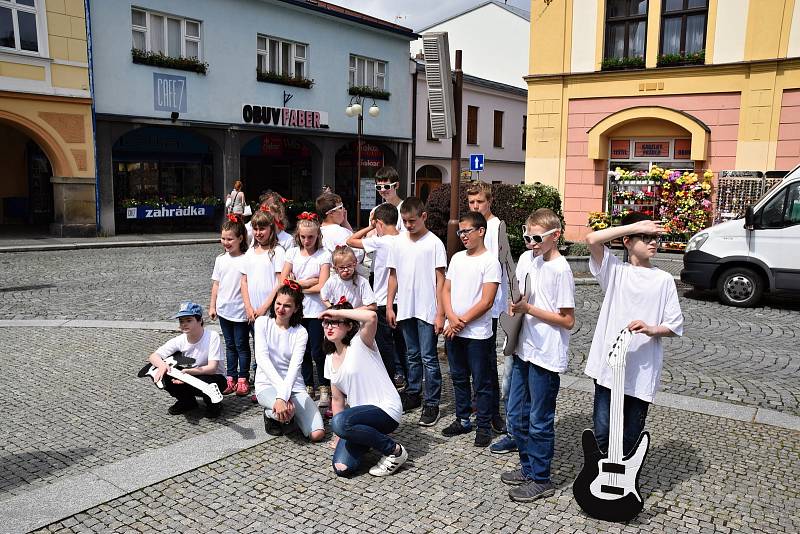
[72,402]
[702,474]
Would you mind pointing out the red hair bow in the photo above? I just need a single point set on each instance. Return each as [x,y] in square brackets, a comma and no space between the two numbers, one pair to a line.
[279,225]
[265,209]
[307,216]
[292,284]
[338,247]
[342,300]
[284,200]
[232,217]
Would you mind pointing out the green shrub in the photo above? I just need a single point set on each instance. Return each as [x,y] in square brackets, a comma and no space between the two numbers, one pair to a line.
[512,203]
[578,249]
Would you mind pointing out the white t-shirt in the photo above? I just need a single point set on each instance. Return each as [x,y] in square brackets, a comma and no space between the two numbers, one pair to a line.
[380,246]
[467,274]
[632,293]
[400,226]
[334,234]
[228,272]
[286,240]
[357,294]
[260,270]
[207,349]
[363,379]
[250,239]
[492,242]
[415,263]
[552,288]
[523,269]
[308,267]
[279,357]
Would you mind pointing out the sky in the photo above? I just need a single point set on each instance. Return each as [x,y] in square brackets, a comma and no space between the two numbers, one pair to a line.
[416,14]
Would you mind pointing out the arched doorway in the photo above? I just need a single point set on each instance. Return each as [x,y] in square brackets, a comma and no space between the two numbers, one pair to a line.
[157,166]
[373,157]
[26,193]
[281,163]
[429,177]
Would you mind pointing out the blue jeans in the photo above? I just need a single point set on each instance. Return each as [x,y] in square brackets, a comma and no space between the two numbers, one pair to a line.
[472,356]
[237,347]
[391,345]
[360,429]
[422,358]
[634,412]
[495,380]
[532,411]
[314,354]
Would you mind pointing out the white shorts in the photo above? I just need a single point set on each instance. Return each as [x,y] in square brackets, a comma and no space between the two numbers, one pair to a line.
[306,413]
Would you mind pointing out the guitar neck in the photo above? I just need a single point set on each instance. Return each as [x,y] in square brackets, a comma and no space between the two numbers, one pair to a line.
[615,452]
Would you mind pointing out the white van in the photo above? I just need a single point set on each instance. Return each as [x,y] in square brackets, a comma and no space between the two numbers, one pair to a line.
[743,258]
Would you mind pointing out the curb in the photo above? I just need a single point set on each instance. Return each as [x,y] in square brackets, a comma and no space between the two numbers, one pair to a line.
[592,281]
[107,244]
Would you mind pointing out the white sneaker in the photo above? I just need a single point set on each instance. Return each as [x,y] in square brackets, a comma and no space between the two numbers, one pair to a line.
[387,465]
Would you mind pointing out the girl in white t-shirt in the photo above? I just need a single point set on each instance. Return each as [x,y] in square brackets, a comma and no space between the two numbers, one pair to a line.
[309,265]
[227,303]
[346,285]
[359,380]
[280,345]
[277,205]
[262,266]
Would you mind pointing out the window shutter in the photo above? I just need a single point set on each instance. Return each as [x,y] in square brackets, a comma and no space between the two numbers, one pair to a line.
[440,85]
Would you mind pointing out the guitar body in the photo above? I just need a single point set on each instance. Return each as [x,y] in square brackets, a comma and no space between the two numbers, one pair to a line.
[607,490]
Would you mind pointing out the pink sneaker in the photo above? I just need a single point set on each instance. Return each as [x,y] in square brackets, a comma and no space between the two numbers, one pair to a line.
[242,387]
[230,388]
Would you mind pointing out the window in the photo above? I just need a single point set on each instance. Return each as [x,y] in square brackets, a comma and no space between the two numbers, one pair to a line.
[626,28]
[164,34]
[367,72]
[524,130]
[498,129]
[18,25]
[472,125]
[683,26]
[783,210]
[282,57]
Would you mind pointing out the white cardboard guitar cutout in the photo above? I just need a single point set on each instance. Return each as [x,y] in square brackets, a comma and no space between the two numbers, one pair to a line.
[608,485]
[211,390]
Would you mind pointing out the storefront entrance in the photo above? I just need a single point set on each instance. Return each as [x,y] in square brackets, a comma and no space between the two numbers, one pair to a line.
[26,194]
[373,157]
[279,163]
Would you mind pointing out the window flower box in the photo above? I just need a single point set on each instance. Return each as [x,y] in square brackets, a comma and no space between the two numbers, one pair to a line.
[284,79]
[678,60]
[622,63]
[369,92]
[158,59]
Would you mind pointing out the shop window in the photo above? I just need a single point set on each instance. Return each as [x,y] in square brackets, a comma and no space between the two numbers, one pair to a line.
[165,34]
[498,129]
[472,125]
[19,25]
[365,72]
[626,29]
[285,58]
[683,27]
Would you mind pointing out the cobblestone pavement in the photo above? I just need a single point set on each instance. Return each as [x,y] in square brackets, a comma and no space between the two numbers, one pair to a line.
[702,474]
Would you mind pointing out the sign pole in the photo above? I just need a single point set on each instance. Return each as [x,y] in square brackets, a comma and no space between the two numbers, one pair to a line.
[358,172]
[455,161]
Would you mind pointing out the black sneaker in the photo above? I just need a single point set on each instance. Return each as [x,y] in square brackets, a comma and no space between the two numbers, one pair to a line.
[532,490]
[430,415]
[410,401]
[513,478]
[272,427]
[456,428]
[499,425]
[182,406]
[399,382]
[213,410]
[483,437]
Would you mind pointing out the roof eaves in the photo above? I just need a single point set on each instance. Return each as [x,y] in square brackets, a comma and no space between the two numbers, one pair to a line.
[357,17]
[511,9]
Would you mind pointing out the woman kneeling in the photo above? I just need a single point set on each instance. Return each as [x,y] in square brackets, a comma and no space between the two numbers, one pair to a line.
[358,379]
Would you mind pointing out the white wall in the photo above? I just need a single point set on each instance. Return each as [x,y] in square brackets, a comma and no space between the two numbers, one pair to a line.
[794,33]
[731,31]
[584,35]
[495,44]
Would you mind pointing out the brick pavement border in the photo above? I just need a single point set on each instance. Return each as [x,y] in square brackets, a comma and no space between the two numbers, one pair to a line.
[107,244]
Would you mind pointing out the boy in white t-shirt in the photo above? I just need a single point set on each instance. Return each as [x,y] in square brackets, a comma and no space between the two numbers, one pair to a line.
[390,341]
[205,348]
[642,298]
[479,198]
[416,273]
[541,354]
[467,297]
[387,181]
[335,228]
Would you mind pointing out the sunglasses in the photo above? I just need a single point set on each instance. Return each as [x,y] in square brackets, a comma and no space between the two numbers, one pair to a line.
[337,208]
[535,238]
[329,323]
[385,187]
[647,238]
[464,232]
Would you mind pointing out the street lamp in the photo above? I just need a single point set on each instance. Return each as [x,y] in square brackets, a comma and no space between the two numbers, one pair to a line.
[355,109]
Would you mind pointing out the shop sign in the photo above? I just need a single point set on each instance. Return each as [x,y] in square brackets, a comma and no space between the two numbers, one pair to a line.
[169,92]
[371,156]
[280,146]
[172,210]
[620,149]
[683,149]
[284,117]
[741,174]
[651,149]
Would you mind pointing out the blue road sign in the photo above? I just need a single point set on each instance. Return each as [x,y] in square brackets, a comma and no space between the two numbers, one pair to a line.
[476,162]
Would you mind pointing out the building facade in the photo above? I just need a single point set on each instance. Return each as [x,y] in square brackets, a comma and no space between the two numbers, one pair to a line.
[681,84]
[261,99]
[46,138]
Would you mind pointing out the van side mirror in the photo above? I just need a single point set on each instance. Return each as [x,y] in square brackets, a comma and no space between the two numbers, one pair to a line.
[749,218]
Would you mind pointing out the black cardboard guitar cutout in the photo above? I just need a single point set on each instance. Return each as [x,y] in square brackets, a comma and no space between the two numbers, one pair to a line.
[607,487]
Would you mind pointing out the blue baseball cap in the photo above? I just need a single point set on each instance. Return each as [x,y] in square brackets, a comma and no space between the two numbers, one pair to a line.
[188,308]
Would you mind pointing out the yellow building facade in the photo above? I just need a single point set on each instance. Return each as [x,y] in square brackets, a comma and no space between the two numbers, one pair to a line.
[682,84]
[48,179]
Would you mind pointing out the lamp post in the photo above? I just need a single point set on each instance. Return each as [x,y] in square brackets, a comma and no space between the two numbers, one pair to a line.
[356,108]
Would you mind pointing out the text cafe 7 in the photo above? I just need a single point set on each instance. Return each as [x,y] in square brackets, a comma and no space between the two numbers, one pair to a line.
[284,117]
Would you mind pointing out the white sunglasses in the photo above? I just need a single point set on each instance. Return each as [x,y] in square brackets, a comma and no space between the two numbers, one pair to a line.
[535,238]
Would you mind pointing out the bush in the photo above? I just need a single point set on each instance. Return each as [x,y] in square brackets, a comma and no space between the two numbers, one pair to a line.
[578,249]
[512,203]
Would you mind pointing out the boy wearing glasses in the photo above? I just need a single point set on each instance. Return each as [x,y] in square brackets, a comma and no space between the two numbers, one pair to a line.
[541,354]
[467,297]
[416,263]
[642,298]
[386,183]
[334,227]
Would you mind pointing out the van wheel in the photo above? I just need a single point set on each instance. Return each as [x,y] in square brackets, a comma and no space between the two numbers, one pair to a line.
[740,286]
